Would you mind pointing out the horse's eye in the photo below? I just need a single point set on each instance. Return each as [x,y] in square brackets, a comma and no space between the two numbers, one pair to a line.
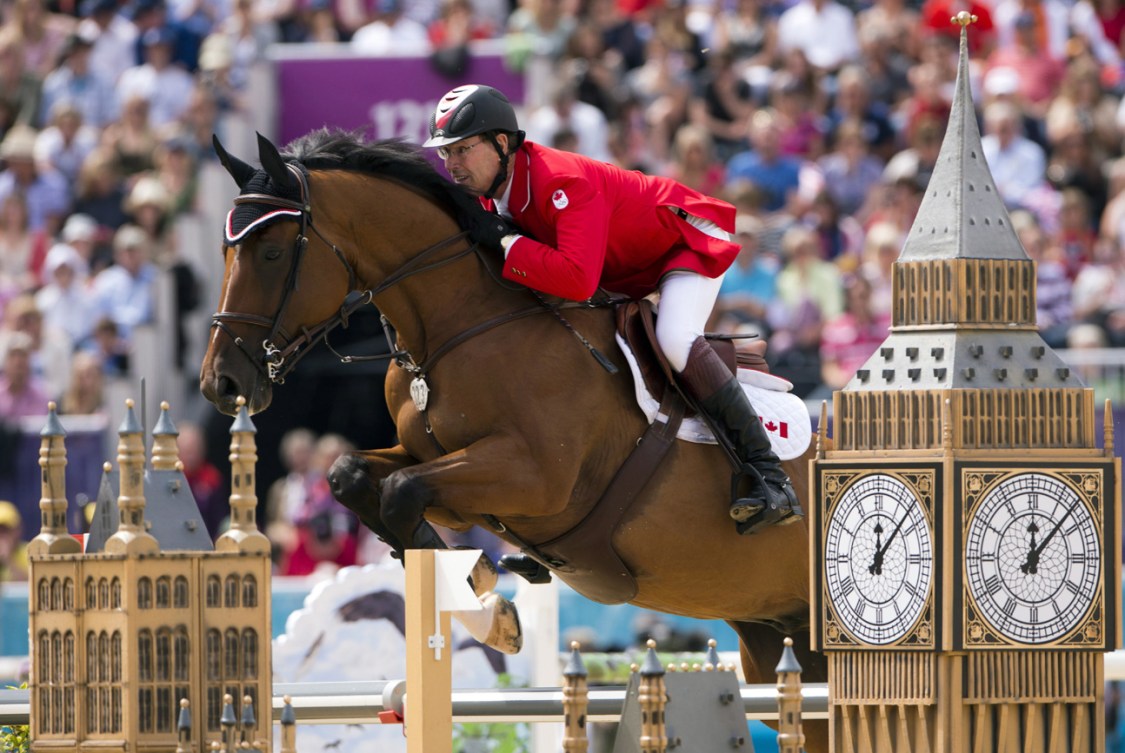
[273,254]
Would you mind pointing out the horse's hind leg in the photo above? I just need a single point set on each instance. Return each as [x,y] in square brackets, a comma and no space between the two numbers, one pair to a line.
[354,479]
[761,651]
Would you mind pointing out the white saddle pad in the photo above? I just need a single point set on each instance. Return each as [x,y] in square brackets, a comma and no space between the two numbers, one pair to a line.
[785,416]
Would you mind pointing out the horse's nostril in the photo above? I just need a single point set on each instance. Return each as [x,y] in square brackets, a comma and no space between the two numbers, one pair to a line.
[228,388]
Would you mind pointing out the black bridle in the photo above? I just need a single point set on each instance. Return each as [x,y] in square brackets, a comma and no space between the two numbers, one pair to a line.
[278,358]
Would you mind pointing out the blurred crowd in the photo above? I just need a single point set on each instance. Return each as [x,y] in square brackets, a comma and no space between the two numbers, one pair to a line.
[820,121]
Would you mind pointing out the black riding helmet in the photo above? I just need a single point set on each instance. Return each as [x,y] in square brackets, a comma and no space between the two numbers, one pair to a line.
[472,109]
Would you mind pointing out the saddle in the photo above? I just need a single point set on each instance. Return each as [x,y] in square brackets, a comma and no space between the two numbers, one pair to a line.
[585,553]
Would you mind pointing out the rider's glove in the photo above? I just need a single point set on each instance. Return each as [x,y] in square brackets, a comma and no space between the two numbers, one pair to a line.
[488,229]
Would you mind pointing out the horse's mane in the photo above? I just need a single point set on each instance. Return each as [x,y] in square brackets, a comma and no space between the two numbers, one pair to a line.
[395,159]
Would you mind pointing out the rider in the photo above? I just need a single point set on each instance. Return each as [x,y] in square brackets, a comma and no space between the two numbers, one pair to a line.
[569,225]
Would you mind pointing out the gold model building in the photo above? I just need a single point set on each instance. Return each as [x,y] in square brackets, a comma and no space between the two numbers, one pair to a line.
[152,613]
[966,524]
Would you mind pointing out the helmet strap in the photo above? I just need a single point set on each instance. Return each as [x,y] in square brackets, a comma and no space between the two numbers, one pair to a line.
[514,141]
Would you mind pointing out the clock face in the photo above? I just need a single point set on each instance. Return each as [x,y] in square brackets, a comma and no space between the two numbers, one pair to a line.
[878,558]
[1033,558]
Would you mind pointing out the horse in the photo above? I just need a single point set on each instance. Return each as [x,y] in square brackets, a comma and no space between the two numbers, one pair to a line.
[504,421]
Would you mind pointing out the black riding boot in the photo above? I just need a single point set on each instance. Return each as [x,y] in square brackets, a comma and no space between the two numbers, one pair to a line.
[719,395]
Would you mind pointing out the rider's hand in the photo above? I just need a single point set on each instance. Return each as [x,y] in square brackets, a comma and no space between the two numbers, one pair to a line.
[487,229]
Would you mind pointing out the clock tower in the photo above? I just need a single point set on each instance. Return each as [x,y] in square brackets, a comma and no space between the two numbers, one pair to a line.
[965,523]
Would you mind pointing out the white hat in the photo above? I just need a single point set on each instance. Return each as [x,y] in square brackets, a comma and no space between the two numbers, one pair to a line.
[1001,81]
[19,142]
[79,227]
[63,255]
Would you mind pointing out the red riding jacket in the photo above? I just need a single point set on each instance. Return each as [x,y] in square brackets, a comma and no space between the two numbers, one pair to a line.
[593,224]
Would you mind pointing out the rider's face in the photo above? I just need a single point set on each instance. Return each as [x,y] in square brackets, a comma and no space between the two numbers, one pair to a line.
[473,162]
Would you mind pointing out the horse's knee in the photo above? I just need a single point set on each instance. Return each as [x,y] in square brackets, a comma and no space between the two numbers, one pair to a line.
[349,481]
[404,499]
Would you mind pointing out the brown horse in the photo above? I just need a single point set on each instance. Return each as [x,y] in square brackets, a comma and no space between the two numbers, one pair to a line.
[522,430]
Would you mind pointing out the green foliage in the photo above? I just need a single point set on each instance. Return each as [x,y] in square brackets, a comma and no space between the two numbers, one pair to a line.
[15,739]
[479,737]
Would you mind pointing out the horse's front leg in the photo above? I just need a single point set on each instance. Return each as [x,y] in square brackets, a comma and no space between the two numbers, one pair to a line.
[355,479]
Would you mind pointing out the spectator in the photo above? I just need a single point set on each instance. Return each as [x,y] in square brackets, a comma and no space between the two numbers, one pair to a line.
[66,301]
[750,285]
[18,246]
[851,337]
[46,193]
[694,162]
[288,495]
[1054,310]
[746,33]
[19,88]
[326,530]
[662,88]
[1038,74]
[21,393]
[881,247]
[42,34]
[850,170]
[110,348]
[50,348]
[801,132]
[124,291]
[184,39]
[101,191]
[566,112]
[390,31]
[450,33]
[823,30]
[86,393]
[1098,294]
[539,27]
[724,105]
[204,479]
[853,103]
[133,138]
[13,550]
[80,232]
[1018,164]
[159,81]
[114,39]
[176,172]
[806,277]
[774,173]
[75,84]
[63,146]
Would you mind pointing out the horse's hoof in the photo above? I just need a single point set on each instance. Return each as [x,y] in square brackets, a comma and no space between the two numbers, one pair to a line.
[484,576]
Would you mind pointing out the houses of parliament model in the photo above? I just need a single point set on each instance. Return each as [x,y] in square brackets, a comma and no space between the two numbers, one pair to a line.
[154,638]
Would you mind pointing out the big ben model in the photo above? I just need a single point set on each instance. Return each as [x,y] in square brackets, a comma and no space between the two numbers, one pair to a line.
[153,618]
[965,525]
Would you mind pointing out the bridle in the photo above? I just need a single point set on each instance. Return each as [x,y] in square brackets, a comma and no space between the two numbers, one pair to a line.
[279,357]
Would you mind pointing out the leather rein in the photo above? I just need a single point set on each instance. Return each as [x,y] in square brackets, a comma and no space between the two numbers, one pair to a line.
[279,357]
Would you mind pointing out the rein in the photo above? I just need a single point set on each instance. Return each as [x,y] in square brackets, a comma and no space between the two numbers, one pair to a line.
[275,363]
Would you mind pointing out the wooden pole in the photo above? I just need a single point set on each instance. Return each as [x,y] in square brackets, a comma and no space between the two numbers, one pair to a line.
[429,672]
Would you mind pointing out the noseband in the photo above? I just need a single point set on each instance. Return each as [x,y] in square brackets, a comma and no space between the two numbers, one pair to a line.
[276,361]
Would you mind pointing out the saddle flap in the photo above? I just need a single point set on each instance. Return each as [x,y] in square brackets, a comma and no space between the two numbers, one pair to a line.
[636,323]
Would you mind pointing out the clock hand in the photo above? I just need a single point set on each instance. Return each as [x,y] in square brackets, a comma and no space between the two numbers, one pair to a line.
[876,567]
[1031,565]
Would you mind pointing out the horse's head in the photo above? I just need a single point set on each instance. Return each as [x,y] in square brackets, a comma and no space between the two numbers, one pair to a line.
[279,283]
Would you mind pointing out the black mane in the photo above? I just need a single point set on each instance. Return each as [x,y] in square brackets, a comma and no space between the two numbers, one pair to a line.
[335,149]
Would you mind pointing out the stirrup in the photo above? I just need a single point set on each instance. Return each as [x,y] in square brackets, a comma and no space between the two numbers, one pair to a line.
[526,567]
[782,509]
[777,514]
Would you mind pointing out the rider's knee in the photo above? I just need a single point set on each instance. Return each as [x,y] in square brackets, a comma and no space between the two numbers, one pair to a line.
[348,480]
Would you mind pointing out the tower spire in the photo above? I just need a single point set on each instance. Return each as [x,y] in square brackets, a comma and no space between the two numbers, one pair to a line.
[243,534]
[53,538]
[131,536]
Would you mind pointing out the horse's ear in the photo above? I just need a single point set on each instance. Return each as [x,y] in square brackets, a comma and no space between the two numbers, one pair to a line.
[239,170]
[273,164]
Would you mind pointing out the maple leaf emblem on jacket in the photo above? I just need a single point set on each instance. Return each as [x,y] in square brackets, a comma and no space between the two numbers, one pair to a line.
[559,199]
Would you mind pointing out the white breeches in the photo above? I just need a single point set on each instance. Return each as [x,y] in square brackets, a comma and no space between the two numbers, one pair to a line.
[686,301]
